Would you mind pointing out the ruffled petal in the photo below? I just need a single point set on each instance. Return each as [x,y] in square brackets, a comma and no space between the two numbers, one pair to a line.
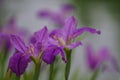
[56,33]
[62,52]
[51,41]
[74,45]
[18,63]
[70,27]
[38,48]
[18,43]
[42,34]
[80,31]
[51,52]
[33,40]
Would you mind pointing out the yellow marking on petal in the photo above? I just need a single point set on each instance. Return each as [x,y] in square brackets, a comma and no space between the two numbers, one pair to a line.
[55,37]
[62,42]
[32,49]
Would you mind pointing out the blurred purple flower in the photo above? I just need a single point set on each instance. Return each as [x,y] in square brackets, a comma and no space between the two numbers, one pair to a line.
[19,61]
[57,17]
[10,28]
[99,59]
[67,8]
[5,42]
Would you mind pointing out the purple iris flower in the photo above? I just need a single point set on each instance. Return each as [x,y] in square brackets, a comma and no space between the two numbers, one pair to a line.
[20,59]
[10,28]
[40,42]
[65,37]
[103,59]
[57,17]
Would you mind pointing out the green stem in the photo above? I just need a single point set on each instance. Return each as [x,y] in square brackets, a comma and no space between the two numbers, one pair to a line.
[94,75]
[68,64]
[17,78]
[37,61]
[8,75]
[37,71]
[3,59]
[51,75]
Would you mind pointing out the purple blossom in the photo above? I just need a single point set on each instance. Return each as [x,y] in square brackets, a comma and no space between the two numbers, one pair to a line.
[65,37]
[57,17]
[60,39]
[19,61]
[40,42]
[100,59]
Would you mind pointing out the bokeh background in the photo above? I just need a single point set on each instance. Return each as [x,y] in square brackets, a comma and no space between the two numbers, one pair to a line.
[101,14]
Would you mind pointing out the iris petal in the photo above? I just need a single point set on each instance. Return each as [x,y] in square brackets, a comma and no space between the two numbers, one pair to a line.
[70,27]
[33,40]
[62,52]
[18,63]
[42,34]
[57,33]
[51,52]
[80,31]
[74,45]
[18,43]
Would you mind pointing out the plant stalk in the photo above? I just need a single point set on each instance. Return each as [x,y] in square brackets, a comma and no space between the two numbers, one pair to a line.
[51,75]
[68,64]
